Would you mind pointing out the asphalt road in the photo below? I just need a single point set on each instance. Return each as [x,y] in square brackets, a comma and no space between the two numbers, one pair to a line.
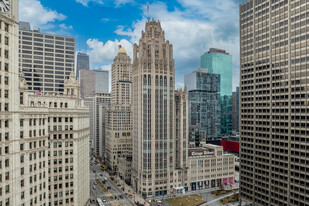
[115,191]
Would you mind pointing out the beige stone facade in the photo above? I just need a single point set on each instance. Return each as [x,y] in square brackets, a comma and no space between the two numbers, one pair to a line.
[124,167]
[67,129]
[118,115]
[210,167]
[34,168]
[154,115]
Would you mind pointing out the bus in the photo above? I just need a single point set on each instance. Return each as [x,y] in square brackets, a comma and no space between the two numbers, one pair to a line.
[100,202]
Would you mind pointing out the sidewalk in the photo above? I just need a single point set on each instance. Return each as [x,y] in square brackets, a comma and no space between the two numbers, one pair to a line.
[129,190]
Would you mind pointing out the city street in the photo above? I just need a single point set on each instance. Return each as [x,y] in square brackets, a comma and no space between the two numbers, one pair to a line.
[114,190]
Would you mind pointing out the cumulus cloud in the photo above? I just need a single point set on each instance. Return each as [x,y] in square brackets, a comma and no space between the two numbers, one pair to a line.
[85,2]
[104,54]
[193,30]
[33,11]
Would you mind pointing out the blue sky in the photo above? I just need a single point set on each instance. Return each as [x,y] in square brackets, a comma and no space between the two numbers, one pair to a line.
[99,26]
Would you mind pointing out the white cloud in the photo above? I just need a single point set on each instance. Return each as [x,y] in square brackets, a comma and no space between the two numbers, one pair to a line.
[104,54]
[105,20]
[85,2]
[192,31]
[65,27]
[179,85]
[106,67]
[122,2]
[33,11]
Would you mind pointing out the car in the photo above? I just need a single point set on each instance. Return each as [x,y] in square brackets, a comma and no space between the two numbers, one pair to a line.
[108,187]
[95,183]
[101,175]
[112,179]
[121,197]
[94,187]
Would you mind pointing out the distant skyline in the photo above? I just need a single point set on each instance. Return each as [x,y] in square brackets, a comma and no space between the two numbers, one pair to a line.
[99,26]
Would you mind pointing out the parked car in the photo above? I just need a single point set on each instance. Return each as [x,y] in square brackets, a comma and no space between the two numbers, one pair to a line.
[108,187]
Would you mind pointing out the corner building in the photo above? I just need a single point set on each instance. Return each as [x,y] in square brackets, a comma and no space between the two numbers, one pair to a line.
[154,170]
[274,139]
[30,172]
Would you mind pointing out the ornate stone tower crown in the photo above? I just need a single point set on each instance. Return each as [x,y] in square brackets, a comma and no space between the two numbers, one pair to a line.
[72,87]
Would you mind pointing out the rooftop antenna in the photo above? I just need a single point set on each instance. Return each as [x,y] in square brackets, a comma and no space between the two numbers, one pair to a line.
[148,10]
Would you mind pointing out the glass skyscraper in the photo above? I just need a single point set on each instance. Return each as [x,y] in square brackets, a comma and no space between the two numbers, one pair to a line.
[218,61]
[226,114]
[204,101]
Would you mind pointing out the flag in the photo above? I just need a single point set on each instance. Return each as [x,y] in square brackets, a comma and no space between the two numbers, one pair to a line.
[38,92]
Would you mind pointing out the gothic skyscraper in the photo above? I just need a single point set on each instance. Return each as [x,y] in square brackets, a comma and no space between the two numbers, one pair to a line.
[154,113]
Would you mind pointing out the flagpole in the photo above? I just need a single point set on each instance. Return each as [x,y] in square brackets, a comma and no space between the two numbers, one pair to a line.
[148,9]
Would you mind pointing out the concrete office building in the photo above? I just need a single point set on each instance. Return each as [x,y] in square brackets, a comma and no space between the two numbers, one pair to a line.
[118,114]
[235,113]
[45,59]
[274,102]
[82,62]
[28,157]
[204,101]
[154,170]
[93,82]
[97,113]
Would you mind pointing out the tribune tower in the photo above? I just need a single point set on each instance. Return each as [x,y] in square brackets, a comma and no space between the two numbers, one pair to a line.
[153,108]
